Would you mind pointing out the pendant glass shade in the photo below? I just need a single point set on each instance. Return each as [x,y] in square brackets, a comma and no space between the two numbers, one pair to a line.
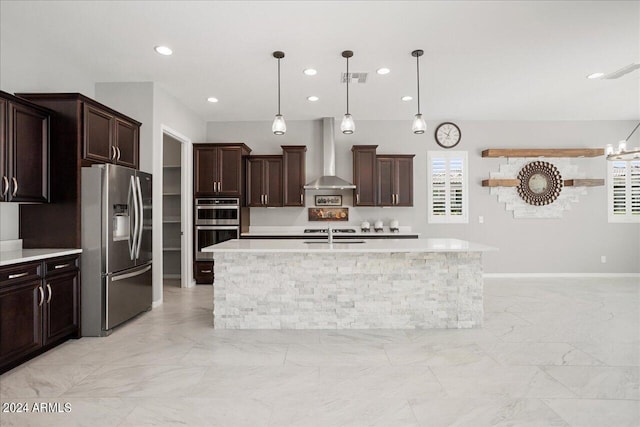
[348,125]
[279,126]
[622,146]
[419,125]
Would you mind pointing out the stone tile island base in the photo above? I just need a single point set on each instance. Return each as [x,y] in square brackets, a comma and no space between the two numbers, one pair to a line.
[345,290]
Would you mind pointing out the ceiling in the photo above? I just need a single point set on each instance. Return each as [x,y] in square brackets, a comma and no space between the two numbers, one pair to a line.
[504,60]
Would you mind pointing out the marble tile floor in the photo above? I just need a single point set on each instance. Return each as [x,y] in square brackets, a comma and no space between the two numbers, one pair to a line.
[552,352]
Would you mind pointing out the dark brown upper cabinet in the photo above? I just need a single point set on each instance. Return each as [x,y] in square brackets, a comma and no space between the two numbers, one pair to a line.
[109,138]
[83,132]
[364,174]
[24,151]
[264,181]
[218,169]
[395,180]
[294,174]
[382,180]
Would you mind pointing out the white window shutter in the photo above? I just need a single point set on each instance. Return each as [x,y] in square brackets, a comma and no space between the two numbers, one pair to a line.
[448,188]
[624,191]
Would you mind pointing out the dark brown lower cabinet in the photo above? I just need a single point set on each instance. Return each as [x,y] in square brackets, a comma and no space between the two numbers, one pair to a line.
[203,272]
[20,320]
[39,308]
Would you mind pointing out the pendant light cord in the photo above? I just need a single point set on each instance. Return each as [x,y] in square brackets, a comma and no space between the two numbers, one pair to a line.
[633,131]
[348,78]
[418,80]
[278,86]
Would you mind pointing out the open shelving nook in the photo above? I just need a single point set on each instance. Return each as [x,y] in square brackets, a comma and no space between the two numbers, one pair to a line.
[171,210]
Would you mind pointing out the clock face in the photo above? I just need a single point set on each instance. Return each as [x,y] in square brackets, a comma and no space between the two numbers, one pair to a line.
[448,135]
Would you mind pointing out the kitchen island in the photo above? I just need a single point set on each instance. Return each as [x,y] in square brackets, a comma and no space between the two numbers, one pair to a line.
[382,284]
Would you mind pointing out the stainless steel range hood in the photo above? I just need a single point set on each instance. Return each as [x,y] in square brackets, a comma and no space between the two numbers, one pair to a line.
[329,180]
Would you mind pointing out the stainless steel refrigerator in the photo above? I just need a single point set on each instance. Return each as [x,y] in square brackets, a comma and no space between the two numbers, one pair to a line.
[116,247]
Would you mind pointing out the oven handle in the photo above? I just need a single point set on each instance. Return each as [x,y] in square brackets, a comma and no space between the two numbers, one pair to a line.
[227,207]
[217,227]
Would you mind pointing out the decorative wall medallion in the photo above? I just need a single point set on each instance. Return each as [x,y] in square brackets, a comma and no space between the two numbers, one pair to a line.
[540,183]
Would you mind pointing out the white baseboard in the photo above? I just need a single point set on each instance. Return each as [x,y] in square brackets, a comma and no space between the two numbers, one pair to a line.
[533,275]
[158,303]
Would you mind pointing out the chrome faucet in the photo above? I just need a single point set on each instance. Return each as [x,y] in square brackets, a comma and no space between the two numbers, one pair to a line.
[330,235]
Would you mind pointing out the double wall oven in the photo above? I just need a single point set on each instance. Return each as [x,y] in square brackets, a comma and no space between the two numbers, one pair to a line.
[217,220]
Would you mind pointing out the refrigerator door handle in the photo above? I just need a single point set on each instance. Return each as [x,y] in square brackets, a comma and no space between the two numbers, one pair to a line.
[134,200]
[130,275]
[141,212]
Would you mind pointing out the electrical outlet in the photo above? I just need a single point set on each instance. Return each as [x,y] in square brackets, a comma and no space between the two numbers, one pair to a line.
[603,259]
[480,220]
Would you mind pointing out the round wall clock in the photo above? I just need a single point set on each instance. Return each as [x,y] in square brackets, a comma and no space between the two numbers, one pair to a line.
[540,183]
[448,135]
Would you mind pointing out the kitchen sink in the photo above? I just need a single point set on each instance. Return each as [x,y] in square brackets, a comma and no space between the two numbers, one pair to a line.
[335,242]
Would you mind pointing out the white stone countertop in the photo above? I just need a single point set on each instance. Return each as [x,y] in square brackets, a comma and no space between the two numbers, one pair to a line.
[296,231]
[18,256]
[375,245]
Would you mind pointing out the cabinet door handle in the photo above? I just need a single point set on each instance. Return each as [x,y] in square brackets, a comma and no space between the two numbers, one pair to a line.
[60,266]
[118,150]
[113,152]
[15,186]
[206,271]
[266,199]
[50,293]
[15,276]
[357,197]
[41,296]
[301,199]
[5,181]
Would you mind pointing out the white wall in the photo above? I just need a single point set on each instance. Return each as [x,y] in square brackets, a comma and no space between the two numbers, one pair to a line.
[155,108]
[572,244]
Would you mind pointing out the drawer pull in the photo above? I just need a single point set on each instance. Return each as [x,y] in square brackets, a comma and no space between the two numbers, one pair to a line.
[60,266]
[15,276]
[206,271]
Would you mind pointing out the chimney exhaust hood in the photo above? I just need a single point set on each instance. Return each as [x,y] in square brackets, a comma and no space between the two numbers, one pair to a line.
[329,181]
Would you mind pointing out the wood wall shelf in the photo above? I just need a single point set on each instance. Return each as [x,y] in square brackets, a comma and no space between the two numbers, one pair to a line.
[583,182]
[543,152]
[500,182]
[567,182]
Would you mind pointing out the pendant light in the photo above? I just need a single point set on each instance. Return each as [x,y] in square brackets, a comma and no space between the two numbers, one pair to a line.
[419,125]
[347,126]
[279,126]
[622,153]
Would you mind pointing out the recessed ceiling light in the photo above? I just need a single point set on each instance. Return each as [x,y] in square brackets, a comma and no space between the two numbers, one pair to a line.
[595,75]
[212,99]
[407,98]
[312,98]
[310,72]
[383,71]
[163,50]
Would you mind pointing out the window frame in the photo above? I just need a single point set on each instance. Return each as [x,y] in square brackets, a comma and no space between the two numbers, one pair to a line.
[448,218]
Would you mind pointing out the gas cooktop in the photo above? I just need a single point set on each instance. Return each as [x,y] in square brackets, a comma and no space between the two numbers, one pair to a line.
[324,230]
